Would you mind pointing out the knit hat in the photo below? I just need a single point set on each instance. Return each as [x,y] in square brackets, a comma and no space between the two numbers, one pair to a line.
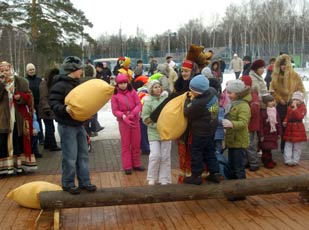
[247,80]
[257,64]
[187,64]
[235,86]
[298,95]
[199,84]
[121,78]
[150,85]
[235,55]
[30,66]
[267,98]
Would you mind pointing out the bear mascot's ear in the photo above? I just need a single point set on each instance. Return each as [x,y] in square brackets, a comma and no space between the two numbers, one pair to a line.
[197,55]
[194,52]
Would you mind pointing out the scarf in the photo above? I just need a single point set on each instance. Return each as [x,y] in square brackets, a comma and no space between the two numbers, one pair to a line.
[272,118]
[26,111]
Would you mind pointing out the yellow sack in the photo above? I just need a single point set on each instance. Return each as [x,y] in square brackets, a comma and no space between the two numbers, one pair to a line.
[88,98]
[172,122]
[27,195]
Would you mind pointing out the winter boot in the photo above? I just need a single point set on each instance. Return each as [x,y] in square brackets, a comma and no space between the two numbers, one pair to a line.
[215,178]
[193,179]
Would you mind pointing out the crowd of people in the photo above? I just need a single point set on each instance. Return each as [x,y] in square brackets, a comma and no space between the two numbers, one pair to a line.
[251,115]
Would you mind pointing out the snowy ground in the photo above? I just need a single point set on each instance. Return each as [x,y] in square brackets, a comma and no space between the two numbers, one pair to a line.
[111,131]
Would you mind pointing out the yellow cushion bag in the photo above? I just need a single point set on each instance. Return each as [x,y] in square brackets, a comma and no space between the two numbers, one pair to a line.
[88,98]
[27,195]
[172,122]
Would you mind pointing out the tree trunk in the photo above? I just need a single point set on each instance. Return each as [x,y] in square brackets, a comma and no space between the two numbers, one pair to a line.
[174,192]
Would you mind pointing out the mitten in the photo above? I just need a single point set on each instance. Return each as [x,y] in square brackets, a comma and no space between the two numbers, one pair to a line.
[227,123]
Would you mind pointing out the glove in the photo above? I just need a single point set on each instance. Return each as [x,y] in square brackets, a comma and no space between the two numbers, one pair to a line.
[227,123]
[129,122]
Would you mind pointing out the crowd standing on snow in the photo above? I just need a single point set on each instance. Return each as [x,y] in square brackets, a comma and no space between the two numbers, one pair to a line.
[250,115]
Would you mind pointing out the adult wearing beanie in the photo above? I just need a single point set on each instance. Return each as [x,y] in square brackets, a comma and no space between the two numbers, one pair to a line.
[34,85]
[202,113]
[257,69]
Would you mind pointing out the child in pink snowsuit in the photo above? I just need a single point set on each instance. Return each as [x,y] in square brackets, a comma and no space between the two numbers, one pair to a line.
[126,107]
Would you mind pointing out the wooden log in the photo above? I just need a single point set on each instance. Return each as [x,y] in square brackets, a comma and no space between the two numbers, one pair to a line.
[174,192]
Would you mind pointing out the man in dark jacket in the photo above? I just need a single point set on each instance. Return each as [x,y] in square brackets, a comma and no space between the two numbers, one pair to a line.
[247,65]
[103,72]
[72,132]
[34,85]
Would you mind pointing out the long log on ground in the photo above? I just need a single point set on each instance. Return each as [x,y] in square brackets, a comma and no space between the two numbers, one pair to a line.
[174,192]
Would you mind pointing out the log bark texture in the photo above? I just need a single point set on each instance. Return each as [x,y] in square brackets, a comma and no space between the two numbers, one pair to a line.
[174,192]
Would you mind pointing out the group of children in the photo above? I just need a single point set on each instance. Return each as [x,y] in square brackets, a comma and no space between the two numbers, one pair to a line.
[210,120]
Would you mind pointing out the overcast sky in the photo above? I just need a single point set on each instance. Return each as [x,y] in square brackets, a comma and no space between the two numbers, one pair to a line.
[152,17]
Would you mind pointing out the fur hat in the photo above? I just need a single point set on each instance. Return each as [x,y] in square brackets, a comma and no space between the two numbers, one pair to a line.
[199,84]
[196,54]
[163,69]
[298,96]
[121,78]
[247,80]
[150,85]
[138,71]
[267,98]
[236,86]
[30,66]
[257,64]
[187,64]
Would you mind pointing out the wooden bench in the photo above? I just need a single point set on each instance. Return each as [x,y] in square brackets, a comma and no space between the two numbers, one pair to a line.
[57,200]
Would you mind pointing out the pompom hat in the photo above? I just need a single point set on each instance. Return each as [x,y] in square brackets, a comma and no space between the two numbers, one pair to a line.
[235,86]
[199,84]
[257,64]
[298,96]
